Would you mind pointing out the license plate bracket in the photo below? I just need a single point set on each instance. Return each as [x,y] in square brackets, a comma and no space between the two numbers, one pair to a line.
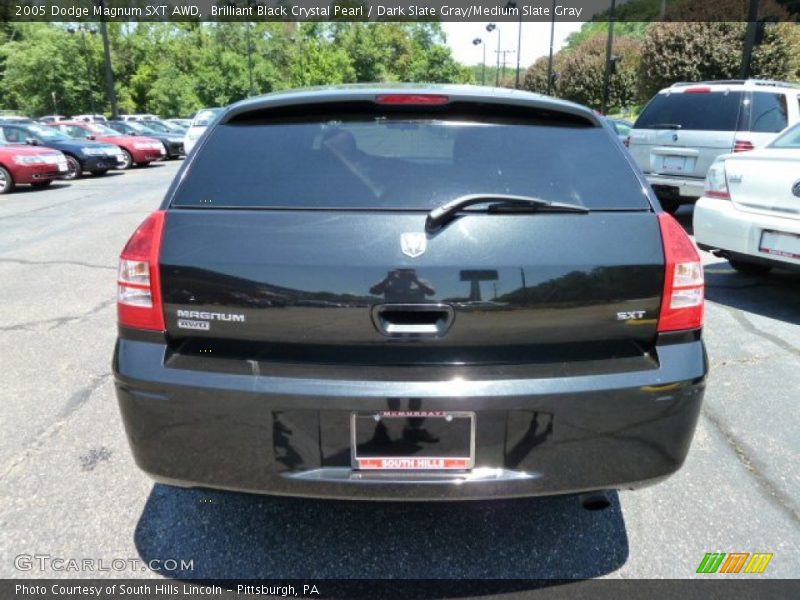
[780,243]
[413,440]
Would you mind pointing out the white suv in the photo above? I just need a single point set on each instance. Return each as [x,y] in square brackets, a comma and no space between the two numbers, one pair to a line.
[684,128]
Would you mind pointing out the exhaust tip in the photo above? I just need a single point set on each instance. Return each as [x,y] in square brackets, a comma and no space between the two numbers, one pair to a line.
[595,501]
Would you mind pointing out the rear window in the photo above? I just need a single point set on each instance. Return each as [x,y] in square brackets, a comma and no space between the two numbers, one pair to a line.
[709,111]
[768,113]
[407,163]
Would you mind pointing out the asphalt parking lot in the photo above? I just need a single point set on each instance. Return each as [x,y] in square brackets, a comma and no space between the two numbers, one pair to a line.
[70,489]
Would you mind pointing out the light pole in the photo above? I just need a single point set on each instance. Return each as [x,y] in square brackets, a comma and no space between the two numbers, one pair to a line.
[249,57]
[609,48]
[252,4]
[112,94]
[82,28]
[513,4]
[750,38]
[479,42]
[490,28]
[550,60]
[497,72]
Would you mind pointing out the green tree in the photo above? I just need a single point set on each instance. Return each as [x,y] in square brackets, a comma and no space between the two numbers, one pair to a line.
[696,51]
[581,73]
[176,68]
[42,60]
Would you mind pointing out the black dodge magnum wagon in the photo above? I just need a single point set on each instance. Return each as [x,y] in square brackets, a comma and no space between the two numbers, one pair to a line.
[412,293]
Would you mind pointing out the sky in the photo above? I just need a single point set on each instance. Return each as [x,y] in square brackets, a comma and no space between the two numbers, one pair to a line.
[535,41]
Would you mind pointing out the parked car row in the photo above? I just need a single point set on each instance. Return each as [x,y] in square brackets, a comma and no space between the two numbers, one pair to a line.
[91,143]
[31,153]
[733,148]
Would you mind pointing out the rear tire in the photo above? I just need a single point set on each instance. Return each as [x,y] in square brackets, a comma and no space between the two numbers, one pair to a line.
[74,168]
[6,181]
[41,184]
[749,268]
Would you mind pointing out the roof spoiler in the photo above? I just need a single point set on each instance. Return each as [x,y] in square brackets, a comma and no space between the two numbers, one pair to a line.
[763,82]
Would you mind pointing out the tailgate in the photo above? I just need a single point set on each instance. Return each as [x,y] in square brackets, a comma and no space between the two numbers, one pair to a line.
[335,286]
[681,131]
[672,152]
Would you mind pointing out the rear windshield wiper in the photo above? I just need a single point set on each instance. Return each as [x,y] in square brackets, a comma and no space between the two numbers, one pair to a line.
[443,214]
[661,126]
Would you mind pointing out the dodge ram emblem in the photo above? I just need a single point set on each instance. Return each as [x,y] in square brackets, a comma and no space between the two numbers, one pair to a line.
[413,244]
[796,188]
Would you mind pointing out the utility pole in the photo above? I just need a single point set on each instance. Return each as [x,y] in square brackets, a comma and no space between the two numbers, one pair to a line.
[609,48]
[750,38]
[503,52]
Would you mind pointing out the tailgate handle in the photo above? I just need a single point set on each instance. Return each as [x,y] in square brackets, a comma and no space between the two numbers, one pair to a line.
[412,320]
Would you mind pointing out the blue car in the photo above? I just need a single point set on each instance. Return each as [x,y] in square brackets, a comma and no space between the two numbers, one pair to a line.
[82,155]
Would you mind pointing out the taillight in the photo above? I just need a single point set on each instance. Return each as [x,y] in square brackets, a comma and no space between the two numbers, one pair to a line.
[716,184]
[138,285]
[429,99]
[743,146]
[682,302]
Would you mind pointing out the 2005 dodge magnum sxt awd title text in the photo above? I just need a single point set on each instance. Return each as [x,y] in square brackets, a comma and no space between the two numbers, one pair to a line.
[411,293]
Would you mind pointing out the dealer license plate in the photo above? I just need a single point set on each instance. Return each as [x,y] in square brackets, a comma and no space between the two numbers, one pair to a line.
[413,440]
[677,163]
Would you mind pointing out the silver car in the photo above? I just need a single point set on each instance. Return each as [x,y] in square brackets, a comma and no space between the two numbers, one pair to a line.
[684,128]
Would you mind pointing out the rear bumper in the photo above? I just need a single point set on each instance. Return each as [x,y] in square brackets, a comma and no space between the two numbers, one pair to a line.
[719,225]
[291,436]
[685,189]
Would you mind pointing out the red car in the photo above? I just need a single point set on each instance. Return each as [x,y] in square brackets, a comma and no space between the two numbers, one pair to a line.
[26,164]
[137,150]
